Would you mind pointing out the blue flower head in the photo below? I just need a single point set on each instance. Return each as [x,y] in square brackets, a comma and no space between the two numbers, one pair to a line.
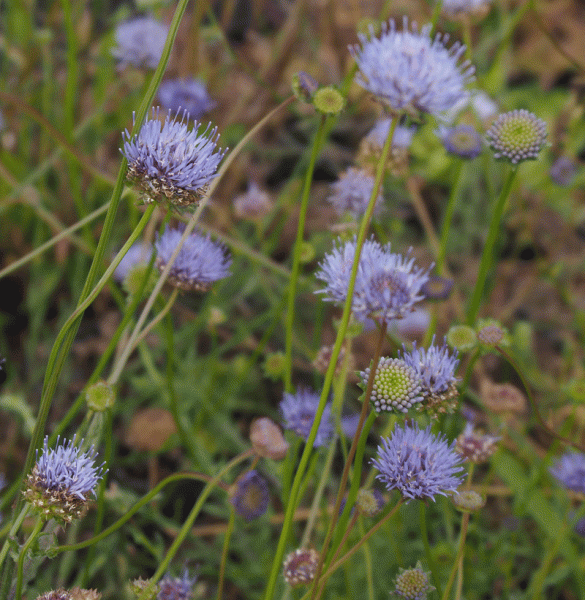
[169,162]
[62,480]
[138,254]
[298,412]
[200,261]
[140,42]
[185,94]
[176,588]
[436,369]
[351,193]
[462,141]
[407,70]
[249,495]
[387,285]
[453,8]
[417,463]
[569,470]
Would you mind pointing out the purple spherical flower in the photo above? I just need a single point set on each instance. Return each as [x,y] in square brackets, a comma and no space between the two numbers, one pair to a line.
[387,285]
[185,94]
[563,170]
[351,193]
[200,261]
[569,470]
[140,42]
[62,480]
[407,70]
[167,161]
[462,141]
[176,588]
[298,412]
[249,495]
[436,369]
[417,463]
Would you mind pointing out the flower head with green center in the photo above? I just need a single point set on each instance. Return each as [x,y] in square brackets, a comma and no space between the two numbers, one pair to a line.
[516,136]
[408,70]
[328,100]
[249,495]
[417,463]
[62,481]
[462,141]
[397,387]
[412,584]
[468,501]
[169,162]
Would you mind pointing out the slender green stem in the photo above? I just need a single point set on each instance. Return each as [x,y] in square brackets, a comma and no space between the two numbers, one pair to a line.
[292,287]
[448,217]
[186,528]
[224,554]
[13,530]
[424,531]
[23,552]
[488,249]
[459,557]
[67,335]
[291,507]
[355,548]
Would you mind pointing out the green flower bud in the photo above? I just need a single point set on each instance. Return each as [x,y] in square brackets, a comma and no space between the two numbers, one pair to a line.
[99,396]
[328,100]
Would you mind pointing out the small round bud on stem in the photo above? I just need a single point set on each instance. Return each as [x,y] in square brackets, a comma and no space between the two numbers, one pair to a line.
[300,566]
[468,501]
[100,396]
[328,100]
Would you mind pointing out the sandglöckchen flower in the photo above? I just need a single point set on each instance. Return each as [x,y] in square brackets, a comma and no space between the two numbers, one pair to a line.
[140,42]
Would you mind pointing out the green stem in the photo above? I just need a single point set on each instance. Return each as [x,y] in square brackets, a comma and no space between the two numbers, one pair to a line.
[23,551]
[459,557]
[67,335]
[13,531]
[448,217]
[428,554]
[224,554]
[188,524]
[292,287]
[487,255]
[291,506]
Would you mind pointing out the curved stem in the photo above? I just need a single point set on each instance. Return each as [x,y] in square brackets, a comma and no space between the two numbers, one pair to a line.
[23,551]
[487,255]
[13,530]
[292,287]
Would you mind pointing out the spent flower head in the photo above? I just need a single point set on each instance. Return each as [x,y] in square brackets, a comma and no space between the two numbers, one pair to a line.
[462,141]
[176,588]
[75,593]
[249,495]
[352,191]
[569,471]
[63,480]
[474,446]
[435,367]
[412,584]
[417,463]
[516,136]
[200,261]
[397,387]
[298,412]
[300,566]
[407,70]
[169,162]
[140,42]
[387,285]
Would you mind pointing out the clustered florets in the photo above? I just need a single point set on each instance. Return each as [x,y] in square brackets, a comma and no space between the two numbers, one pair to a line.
[396,386]
[140,42]
[169,162]
[200,261]
[176,588]
[298,413]
[387,285]
[516,136]
[417,463]
[352,191]
[62,481]
[412,584]
[407,70]
[249,495]
[188,95]
[569,470]
[462,141]
[474,446]
[300,566]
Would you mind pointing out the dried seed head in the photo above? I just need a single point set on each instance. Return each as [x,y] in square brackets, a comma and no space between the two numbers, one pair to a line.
[299,567]
[475,447]
[502,397]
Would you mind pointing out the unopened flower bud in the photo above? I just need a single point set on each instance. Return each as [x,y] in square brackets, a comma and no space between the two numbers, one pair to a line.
[100,396]
[328,100]
[412,584]
[462,337]
[274,365]
[267,439]
[304,86]
[468,501]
